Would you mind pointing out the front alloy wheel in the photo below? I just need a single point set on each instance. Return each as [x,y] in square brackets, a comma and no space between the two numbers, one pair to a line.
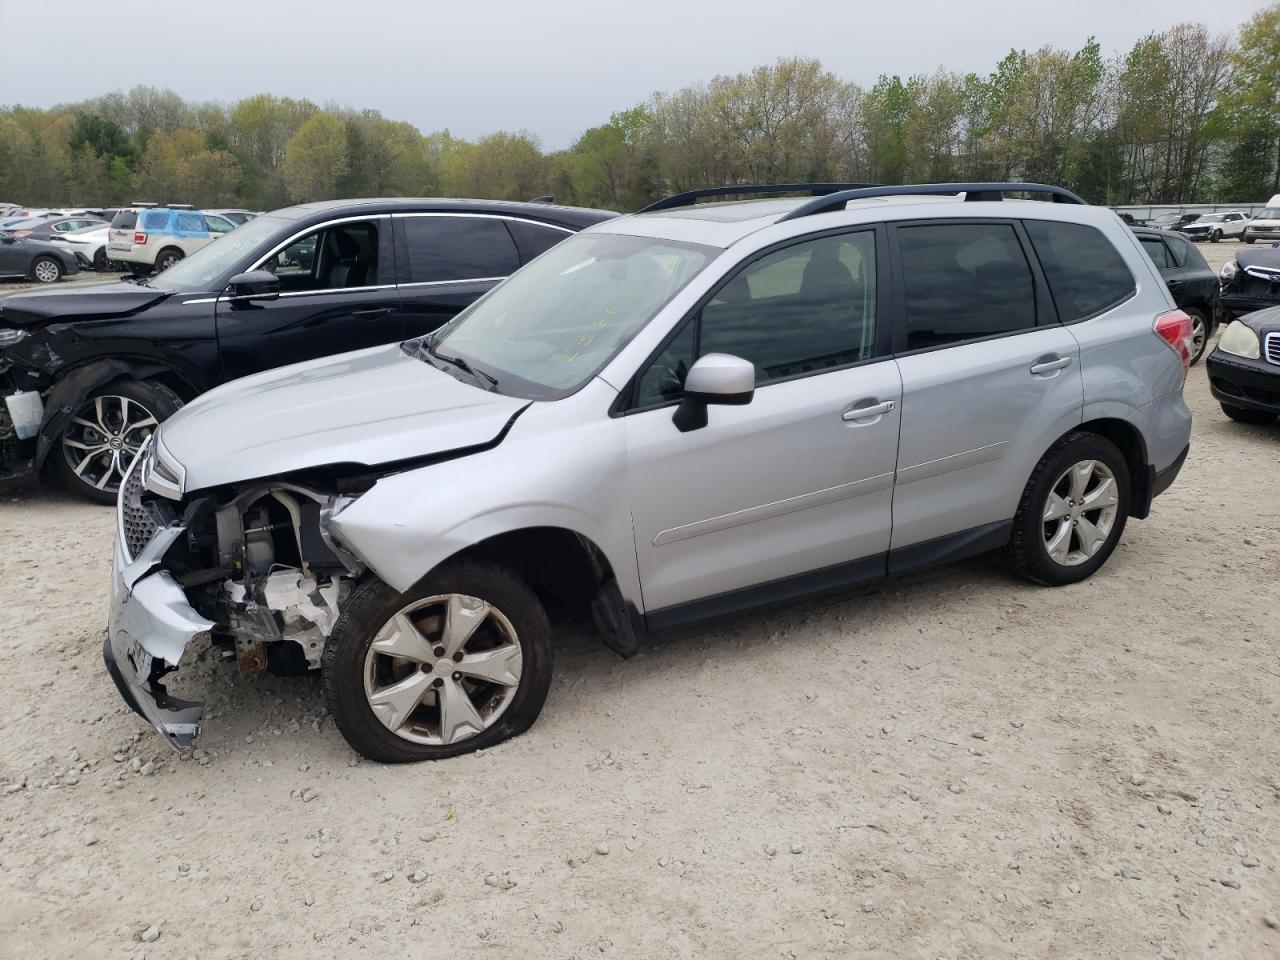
[102,439]
[460,662]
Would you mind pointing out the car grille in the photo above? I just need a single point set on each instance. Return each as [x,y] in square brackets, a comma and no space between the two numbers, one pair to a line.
[1271,349]
[136,525]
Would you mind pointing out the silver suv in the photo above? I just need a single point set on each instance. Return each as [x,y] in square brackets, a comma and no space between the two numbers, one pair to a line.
[692,411]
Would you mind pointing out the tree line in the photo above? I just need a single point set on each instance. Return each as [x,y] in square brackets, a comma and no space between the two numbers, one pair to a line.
[1186,115]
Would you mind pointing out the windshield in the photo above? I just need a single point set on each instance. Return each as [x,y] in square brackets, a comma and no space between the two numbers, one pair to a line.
[552,326]
[1212,218]
[1271,213]
[208,264]
[1167,218]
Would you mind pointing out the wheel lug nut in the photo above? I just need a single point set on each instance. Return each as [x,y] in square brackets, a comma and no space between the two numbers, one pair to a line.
[438,682]
[439,651]
[457,657]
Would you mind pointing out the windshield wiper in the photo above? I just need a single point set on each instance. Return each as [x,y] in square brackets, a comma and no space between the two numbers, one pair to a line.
[479,375]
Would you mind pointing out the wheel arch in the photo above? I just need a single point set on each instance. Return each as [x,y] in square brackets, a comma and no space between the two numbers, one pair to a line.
[76,383]
[1128,438]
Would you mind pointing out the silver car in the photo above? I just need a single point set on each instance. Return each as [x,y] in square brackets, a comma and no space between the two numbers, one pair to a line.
[684,413]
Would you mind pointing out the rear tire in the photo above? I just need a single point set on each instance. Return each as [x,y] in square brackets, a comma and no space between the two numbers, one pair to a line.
[167,257]
[1064,531]
[411,676]
[97,446]
[46,270]
[1201,331]
[100,262]
[1245,415]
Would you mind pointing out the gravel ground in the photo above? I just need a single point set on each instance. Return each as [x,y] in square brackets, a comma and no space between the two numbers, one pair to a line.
[953,765]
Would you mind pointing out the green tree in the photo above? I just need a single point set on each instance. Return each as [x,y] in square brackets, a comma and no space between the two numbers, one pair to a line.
[316,159]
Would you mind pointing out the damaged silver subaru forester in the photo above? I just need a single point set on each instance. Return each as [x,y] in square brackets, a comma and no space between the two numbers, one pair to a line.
[670,416]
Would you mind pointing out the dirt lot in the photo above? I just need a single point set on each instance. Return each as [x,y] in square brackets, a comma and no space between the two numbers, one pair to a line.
[955,765]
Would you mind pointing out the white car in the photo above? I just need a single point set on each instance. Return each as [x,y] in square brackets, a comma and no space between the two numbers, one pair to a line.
[89,245]
[1265,224]
[1216,226]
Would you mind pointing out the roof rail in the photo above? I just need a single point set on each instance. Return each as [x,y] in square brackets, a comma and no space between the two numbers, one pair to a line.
[690,197]
[546,199]
[971,191]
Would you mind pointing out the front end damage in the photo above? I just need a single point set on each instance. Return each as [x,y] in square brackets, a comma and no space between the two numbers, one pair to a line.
[252,570]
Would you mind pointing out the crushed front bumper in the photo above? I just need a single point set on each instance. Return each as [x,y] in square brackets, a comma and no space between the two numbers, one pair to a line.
[149,626]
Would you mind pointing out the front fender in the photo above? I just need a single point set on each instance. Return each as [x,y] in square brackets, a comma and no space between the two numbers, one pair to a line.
[546,473]
[68,394]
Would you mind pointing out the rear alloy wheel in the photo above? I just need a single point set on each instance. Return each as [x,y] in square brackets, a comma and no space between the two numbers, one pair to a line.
[46,270]
[100,262]
[1072,512]
[167,258]
[101,439]
[1199,333]
[1246,415]
[459,663]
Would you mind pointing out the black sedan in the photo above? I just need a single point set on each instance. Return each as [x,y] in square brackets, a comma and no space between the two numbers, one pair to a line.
[27,259]
[100,365]
[1189,278]
[1244,370]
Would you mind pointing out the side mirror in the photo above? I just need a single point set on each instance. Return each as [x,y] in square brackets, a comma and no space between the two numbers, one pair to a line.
[254,285]
[715,378]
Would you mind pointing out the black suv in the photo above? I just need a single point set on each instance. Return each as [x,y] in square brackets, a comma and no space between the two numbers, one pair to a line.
[87,372]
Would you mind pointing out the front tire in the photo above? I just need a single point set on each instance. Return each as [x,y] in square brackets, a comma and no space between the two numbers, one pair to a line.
[1072,513]
[102,437]
[46,270]
[1215,236]
[1246,415]
[460,662]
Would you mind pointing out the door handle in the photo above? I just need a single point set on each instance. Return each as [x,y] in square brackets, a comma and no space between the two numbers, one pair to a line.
[372,312]
[1048,366]
[865,413]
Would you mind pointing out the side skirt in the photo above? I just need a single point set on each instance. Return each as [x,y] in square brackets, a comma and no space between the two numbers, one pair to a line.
[904,560]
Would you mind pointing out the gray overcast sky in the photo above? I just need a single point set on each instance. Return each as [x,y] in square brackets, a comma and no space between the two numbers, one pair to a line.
[553,68]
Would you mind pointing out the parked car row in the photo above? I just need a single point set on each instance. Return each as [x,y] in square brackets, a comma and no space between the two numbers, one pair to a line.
[1214,227]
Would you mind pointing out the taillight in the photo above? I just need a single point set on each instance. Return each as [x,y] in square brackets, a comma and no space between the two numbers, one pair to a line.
[21,233]
[1175,329]
[139,238]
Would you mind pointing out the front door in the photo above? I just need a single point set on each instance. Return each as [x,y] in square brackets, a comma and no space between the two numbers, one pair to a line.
[989,379]
[14,259]
[795,482]
[337,293]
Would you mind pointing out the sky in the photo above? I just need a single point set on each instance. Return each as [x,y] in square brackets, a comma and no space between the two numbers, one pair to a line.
[553,68]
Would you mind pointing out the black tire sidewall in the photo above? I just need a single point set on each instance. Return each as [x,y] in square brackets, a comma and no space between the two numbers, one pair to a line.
[165,254]
[1027,552]
[368,609]
[158,399]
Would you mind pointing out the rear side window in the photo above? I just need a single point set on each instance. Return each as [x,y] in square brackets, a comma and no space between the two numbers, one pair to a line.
[457,248]
[191,223]
[125,220]
[154,220]
[534,238]
[1086,273]
[1155,250]
[964,281]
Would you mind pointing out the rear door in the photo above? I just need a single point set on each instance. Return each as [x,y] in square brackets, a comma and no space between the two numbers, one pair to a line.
[337,293]
[446,261]
[989,380]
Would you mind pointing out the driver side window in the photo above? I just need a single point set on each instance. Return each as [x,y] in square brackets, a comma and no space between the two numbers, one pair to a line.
[801,310]
[334,258]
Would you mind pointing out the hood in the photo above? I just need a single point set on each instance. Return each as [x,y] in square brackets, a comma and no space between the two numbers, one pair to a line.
[1268,257]
[370,407]
[96,301]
